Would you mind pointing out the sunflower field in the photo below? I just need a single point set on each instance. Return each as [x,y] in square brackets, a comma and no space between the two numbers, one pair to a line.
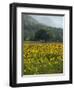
[42,58]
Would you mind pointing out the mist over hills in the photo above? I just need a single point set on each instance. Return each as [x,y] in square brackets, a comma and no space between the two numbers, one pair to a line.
[30,26]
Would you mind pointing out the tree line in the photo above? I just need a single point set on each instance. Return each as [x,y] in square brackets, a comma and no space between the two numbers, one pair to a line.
[45,36]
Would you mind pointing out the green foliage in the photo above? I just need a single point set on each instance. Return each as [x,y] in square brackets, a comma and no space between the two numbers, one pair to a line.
[43,58]
[41,35]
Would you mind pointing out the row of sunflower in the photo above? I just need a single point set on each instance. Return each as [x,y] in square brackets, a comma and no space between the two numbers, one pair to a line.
[43,58]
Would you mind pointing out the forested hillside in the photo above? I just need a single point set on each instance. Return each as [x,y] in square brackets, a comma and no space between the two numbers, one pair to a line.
[32,27]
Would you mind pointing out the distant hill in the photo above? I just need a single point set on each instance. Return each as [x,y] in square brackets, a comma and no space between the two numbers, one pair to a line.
[30,26]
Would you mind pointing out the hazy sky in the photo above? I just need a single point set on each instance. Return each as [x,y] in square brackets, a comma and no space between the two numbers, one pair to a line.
[54,21]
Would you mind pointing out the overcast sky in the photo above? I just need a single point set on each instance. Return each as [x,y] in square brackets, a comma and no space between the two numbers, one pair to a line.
[54,21]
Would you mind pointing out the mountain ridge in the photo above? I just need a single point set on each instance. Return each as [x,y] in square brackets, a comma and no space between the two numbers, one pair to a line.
[30,26]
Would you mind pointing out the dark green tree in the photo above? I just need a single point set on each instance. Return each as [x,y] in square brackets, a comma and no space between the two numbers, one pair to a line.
[41,35]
